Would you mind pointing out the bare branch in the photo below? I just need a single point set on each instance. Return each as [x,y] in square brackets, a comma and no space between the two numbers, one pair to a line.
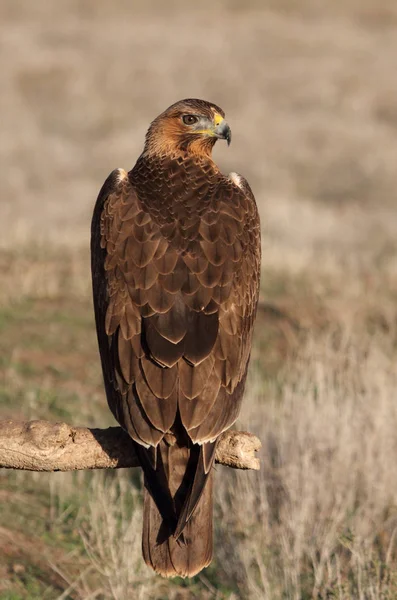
[44,446]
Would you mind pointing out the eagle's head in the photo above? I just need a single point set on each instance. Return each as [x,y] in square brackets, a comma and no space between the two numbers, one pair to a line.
[188,126]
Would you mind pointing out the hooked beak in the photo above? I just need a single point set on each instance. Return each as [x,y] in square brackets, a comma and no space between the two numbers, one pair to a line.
[217,128]
[223,131]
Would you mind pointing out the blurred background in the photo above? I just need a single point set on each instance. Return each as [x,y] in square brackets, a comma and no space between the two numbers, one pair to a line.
[309,90]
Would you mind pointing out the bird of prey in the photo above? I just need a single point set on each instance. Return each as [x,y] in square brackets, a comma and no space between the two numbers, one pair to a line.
[175,249]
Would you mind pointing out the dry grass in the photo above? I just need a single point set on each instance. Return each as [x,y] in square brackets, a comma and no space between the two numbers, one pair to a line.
[309,90]
[320,520]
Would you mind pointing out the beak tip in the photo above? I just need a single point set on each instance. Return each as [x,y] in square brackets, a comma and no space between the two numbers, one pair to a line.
[226,133]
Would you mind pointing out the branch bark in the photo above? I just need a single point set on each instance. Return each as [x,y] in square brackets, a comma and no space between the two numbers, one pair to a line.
[44,446]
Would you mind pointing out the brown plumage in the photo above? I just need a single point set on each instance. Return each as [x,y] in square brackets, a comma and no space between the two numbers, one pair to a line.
[175,264]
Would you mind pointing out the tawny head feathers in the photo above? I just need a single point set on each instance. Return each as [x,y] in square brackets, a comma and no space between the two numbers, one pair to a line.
[187,127]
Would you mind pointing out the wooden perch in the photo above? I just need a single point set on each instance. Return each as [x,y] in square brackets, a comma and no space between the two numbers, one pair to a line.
[44,446]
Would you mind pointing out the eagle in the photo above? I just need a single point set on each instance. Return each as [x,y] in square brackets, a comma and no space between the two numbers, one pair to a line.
[175,257]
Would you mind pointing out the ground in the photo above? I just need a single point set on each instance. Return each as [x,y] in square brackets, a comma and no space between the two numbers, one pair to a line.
[309,90]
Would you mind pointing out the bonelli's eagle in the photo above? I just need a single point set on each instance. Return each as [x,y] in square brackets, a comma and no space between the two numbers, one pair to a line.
[175,252]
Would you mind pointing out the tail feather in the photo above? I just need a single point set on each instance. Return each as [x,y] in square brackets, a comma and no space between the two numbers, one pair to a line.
[180,544]
[186,555]
[206,455]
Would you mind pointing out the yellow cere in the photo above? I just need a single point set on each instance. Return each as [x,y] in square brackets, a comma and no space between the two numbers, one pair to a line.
[217,119]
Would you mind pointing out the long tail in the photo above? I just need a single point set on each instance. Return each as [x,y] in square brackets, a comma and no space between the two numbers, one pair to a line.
[180,545]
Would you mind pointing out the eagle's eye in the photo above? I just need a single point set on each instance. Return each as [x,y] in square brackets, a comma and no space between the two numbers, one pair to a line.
[189,119]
